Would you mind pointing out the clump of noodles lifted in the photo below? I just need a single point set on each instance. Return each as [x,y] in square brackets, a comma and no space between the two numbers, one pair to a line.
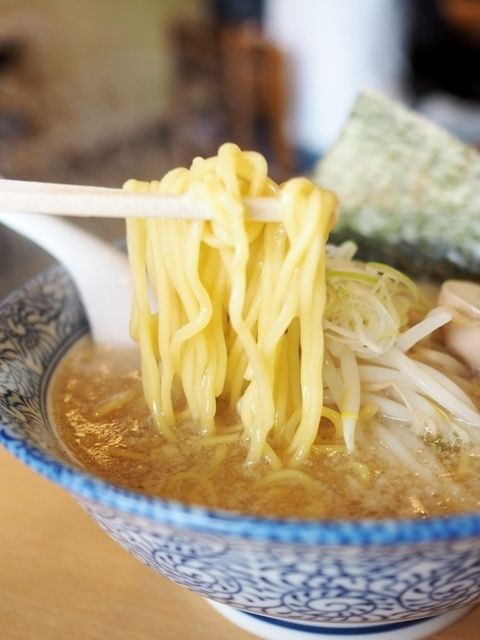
[298,339]
[239,304]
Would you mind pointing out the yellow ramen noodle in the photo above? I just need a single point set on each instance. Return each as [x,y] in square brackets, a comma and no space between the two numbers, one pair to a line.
[238,306]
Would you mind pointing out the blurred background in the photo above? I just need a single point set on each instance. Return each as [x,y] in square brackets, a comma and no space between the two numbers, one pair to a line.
[97,91]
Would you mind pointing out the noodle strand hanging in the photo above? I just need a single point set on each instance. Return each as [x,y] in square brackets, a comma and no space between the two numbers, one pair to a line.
[234,300]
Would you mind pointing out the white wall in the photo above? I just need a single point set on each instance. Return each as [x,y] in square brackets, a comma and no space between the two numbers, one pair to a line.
[104,64]
[334,47]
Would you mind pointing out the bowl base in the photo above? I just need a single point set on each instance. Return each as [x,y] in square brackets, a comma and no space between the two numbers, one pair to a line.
[279,629]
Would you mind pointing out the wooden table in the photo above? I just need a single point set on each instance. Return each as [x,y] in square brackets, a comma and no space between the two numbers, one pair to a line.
[62,578]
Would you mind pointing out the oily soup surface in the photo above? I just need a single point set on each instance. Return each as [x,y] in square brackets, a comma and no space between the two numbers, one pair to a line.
[98,407]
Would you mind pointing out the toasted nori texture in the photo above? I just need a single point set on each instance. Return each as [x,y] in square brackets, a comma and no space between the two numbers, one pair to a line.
[418,260]
[409,191]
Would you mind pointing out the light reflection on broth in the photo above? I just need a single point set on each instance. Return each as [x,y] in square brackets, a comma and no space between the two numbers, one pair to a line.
[98,406]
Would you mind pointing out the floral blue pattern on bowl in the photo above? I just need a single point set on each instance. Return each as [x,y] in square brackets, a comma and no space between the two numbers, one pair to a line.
[320,578]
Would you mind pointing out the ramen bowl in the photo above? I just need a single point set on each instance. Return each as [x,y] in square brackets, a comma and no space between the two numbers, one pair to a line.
[277,578]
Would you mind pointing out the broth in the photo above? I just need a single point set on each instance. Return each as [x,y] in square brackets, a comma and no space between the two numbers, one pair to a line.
[98,407]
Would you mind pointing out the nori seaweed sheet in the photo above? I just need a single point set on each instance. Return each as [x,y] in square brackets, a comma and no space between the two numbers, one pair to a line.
[419,260]
[409,191]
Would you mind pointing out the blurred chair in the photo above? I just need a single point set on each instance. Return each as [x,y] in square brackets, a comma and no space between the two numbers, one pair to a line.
[228,84]
[464,15]
[21,75]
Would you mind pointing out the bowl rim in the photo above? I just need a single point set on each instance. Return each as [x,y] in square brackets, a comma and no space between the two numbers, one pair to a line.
[95,493]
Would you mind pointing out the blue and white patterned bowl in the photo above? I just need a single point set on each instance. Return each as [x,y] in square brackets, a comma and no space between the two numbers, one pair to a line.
[276,578]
